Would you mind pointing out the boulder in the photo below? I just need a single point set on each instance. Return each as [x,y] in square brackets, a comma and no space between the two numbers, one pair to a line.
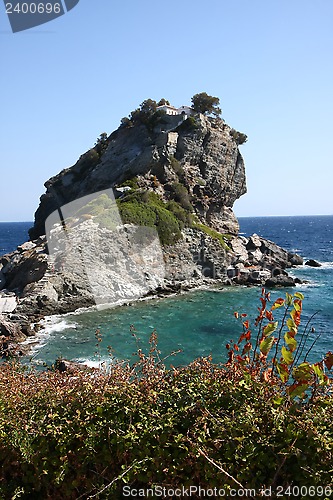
[255,257]
[238,246]
[261,275]
[64,365]
[11,329]
[280,280]
[275,255]
[254,242]
[312,263]
[295,260]
[24,268]
[28,245]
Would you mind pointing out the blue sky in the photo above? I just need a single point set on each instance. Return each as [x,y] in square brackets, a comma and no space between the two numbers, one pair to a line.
[269,62]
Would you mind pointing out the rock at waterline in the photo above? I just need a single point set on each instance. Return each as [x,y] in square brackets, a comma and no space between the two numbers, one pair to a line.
[312,263]
[295,260]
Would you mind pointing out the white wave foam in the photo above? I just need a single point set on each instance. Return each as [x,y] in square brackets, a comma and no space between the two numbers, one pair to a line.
[326,265]
[310,284]
[36,343]
[104,363]
[49,325]
[90,363]
[53,324]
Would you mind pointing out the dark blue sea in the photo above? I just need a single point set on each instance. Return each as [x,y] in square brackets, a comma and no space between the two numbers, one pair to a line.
[13,234]
[199,322]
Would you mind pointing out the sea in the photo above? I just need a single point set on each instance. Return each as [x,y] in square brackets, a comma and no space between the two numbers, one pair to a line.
[196,323]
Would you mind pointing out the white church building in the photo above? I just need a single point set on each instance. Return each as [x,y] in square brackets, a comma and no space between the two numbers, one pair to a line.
[171,110]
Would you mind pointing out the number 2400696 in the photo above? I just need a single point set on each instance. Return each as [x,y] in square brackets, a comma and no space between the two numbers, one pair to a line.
[33,8]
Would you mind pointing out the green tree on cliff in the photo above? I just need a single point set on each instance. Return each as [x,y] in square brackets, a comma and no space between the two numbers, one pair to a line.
[163,102]
[101,144]
[144,112]
[206,104]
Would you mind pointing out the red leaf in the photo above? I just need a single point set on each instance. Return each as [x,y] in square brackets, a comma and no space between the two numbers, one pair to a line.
[263,301]
[269,315]
[296,316]
[240,359]
[247,348]
[245,336]
[230,357]
[236,314]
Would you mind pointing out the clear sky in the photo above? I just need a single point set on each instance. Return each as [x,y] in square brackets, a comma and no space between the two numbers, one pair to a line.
[269,61]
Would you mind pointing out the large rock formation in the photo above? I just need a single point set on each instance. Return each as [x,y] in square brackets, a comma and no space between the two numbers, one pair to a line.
[180,175]
[199,152]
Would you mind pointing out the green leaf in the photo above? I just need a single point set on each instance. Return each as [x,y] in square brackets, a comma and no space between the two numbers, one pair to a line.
[291,325]
[289,299]
[303,372]
[290,341]
[299,295]
[266,345]
[318,369]
[283,372]
[287,356]
[270,328]
[298,390]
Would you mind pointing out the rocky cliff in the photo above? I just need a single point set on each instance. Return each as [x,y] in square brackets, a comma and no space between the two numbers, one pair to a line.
[147,210]
[198,152]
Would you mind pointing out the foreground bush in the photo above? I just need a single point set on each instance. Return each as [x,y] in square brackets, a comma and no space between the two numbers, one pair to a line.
[66,435]
[86,434]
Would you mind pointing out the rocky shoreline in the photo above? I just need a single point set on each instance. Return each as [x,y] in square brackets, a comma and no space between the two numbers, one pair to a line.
[32,288]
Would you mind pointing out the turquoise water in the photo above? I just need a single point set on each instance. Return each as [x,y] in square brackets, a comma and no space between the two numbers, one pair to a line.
[201,322]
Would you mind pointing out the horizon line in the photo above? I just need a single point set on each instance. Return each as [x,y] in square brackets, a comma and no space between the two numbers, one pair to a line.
[237,216]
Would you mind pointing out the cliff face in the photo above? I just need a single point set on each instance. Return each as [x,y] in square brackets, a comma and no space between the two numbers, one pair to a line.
[199,153]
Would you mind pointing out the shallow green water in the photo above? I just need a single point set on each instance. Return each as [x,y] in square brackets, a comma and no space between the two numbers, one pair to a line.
[199,323]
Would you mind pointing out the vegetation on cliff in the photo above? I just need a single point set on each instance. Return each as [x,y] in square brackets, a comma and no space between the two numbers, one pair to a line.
[146,208]
[206,104]
[253,423]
